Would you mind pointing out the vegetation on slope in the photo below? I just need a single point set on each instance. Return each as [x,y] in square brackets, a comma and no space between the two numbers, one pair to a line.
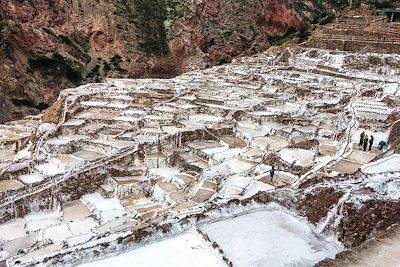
[49,45]
[56,66]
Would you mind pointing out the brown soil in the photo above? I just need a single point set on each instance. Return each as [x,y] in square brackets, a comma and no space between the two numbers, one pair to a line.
[315,206]
[54,113]
[272,159]
[392,102]
[358,224]
[395,116]
[371,93]
[307,144]
[394,137]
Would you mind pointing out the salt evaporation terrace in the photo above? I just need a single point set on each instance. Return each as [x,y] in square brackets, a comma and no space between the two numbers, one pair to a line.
[129,154]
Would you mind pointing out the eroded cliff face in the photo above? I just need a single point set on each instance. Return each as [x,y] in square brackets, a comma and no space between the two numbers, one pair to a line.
[222,30]
[48,45]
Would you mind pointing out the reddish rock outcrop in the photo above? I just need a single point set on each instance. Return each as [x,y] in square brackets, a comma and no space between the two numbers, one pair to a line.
[46,46]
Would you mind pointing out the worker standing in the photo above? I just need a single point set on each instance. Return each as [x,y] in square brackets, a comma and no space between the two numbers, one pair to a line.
[272,172]
[362,135]
[371,142]
[365,143]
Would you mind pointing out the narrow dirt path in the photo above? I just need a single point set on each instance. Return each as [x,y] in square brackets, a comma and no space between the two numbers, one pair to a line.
[376,253]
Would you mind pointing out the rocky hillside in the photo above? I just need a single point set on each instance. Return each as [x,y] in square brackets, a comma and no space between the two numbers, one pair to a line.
[48,45]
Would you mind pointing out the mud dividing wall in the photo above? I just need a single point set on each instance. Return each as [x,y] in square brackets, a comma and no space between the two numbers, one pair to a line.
[42,201]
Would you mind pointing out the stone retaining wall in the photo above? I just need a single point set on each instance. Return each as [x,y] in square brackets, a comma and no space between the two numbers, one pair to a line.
[72,189]
[354,46]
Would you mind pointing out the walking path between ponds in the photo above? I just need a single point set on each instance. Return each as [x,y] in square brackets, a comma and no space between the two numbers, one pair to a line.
[376,253]
[348,148]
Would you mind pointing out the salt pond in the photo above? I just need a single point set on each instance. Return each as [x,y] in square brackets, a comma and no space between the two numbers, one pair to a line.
[269,238]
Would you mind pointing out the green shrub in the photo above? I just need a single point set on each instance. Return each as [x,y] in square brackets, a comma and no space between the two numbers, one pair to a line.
[116,59]
[381,4]
[23,102]
[280,40]
[66,40]
[56,66]
[77,41]
[94,73]
[106,67]
[150,16]
[328,19]
[82,40]
[304,34]
[42,106]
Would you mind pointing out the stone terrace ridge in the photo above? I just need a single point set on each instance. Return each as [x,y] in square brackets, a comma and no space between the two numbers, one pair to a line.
[373,36]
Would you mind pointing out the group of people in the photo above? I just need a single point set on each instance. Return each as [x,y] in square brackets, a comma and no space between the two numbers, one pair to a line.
[365,140]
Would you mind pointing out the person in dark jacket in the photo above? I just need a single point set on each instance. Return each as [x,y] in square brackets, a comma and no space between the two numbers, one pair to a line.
[382,144]
[272,172]
[365,144]
[361,139]
[371,142]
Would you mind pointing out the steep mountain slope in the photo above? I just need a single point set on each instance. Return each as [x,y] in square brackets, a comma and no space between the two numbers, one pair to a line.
[47,45]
